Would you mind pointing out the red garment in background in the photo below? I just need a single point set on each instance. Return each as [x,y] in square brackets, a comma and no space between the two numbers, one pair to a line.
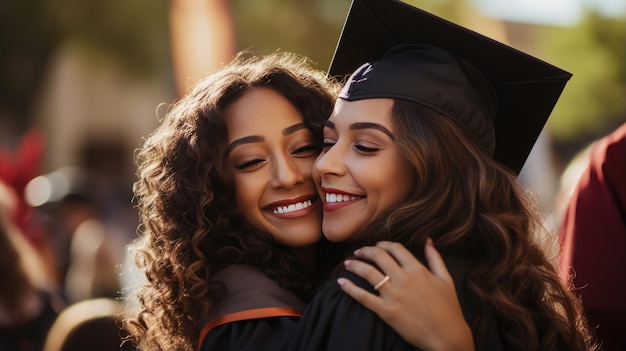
[17,168]
[593,240]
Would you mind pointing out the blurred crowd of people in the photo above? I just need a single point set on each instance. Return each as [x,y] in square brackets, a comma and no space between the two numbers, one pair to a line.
[61,245]
[63,237]
[63,234]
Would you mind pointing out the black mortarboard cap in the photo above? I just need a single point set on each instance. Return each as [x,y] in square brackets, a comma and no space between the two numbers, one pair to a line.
[526,88]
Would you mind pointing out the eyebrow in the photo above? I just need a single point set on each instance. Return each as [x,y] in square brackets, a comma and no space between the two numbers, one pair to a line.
[294,128]
[364,125]
[258,138]
[245,140]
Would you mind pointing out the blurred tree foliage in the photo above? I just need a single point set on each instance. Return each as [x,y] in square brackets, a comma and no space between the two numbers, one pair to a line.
[28,39]
[594,101]
[310,28]
[134,32]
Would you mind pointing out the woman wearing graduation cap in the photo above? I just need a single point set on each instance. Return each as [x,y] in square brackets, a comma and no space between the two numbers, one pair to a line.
[231,221]
[424,145]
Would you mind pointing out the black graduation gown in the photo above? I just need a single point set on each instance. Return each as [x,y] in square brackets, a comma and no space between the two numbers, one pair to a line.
[256,313]
[334,321]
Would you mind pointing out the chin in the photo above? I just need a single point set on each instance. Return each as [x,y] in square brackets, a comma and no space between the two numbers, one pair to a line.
[335,237]
[299,241]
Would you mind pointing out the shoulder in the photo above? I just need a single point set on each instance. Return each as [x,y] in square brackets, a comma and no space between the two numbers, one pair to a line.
[250,299]
[335,321]
[330,303]
[247,287]
[251,334]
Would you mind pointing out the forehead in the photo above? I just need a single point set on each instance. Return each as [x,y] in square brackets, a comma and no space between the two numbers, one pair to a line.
[367,110]
[260,111]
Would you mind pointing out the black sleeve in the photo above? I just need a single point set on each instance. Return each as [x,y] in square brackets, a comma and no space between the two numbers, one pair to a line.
[272,333]
[334,321]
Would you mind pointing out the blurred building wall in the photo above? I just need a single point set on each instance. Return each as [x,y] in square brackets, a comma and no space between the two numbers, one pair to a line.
[91,107]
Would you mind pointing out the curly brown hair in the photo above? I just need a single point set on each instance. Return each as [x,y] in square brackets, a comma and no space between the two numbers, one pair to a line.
[191,227]
[474,208]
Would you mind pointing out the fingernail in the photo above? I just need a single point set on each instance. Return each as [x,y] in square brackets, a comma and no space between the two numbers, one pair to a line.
[341,281]
[347,262]
[357,252]
[429,241]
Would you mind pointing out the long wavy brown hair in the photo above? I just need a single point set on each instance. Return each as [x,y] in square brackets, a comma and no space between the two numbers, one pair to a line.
[474,208]
[191,227]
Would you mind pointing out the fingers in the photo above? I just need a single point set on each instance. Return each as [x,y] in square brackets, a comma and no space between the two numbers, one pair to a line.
[361,295]
[365,271]
[436,263]
[392,257]
[370,300]
[381,257]
[400,253]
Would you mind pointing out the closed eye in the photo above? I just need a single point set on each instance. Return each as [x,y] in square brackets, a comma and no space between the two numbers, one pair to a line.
[307,150]
[365,149]
[249,164]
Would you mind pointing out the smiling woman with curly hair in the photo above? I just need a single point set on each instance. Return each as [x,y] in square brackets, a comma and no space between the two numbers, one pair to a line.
[192,186]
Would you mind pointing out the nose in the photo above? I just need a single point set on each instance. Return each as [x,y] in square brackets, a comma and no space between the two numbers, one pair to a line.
[330,162]
[286,173]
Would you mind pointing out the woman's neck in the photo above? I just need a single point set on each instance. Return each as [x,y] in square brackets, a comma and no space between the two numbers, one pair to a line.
[307,255]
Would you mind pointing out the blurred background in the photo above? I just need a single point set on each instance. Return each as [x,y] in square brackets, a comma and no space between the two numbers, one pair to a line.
[90,74]
[82,82]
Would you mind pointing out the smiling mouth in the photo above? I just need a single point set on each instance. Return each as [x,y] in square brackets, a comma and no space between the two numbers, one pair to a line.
[334,198]
[292,207]
[334,201]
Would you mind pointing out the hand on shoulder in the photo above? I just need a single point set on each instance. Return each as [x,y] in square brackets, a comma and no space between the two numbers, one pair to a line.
[420,304]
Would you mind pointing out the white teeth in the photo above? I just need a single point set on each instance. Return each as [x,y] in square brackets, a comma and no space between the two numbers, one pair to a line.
[339,197]
[292,207]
